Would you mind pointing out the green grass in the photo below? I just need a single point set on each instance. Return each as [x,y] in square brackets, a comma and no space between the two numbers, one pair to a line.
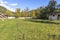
[17,29]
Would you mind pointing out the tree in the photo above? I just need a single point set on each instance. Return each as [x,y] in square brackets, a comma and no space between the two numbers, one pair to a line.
[2,9]
[18,14]
[49,9]
[43,13]
[33,13]
[26,12]
[51,6]
[22,13]
[40,12]
[9,13]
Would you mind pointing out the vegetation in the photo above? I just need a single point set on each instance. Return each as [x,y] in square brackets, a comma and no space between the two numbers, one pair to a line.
[6,11]
[31,29]
[33,13]
[17,13]
[51,6]
[49,9]
[41,12]
[9,13]
[17,29]
[26,12]
[2,9]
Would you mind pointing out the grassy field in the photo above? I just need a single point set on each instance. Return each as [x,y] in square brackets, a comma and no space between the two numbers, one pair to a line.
[17,29]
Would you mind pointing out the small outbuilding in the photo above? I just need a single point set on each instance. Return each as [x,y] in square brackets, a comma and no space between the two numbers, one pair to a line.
[54,16]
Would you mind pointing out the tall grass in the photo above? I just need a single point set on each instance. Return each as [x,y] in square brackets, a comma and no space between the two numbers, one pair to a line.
[17,29]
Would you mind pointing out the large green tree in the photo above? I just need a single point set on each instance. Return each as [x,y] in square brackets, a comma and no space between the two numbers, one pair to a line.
[51,6]
[43,12]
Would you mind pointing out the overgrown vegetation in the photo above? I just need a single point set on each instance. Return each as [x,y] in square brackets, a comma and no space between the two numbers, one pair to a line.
[2,9]
[42,12]
[17,29]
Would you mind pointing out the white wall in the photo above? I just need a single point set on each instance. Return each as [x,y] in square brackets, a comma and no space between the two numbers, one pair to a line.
[11,17]
[20,17]
[25,17]
[51,17]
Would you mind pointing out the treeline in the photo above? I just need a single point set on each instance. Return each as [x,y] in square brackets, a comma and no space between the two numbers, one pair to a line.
[42,12]
[19,13]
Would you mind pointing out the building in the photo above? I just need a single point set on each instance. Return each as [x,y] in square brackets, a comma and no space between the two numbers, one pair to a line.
[54,16]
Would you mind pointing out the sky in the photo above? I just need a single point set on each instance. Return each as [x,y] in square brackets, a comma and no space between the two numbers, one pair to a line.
[22,4]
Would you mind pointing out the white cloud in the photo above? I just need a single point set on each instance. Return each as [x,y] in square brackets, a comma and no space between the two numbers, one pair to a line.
[5,2]
[2,3]
[15,4]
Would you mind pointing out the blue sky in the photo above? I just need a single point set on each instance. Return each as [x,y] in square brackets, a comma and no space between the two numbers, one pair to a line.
[22,4]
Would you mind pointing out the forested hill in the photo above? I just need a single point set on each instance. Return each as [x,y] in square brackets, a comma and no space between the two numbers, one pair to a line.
[2,9]
[6,11]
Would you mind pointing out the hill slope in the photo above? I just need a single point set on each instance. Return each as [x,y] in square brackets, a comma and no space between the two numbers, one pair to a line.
[2,9]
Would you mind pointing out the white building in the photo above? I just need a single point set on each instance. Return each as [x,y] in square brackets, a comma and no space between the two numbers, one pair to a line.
[54,16]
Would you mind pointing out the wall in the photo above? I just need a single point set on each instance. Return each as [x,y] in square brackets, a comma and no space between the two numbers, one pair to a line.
[11,17]
[51,17]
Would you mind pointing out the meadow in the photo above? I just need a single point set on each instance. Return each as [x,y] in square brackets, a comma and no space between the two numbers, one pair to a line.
[18,29]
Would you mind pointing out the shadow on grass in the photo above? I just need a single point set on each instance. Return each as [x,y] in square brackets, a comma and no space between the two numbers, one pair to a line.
[43,21]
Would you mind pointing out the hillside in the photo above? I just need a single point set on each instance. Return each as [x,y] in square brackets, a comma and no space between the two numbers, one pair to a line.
[2,9]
